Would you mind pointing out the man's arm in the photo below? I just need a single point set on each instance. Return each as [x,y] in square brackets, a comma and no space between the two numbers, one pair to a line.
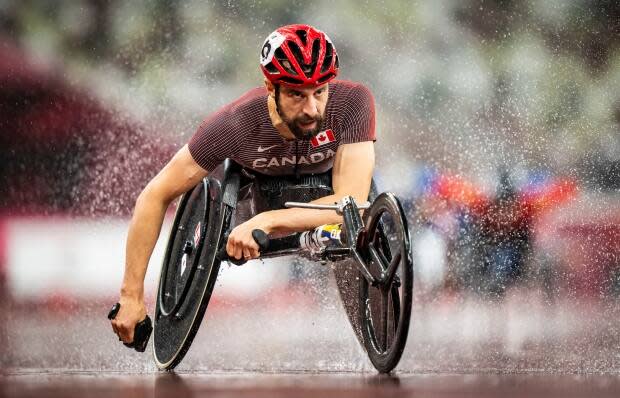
[178,176]
[351,175]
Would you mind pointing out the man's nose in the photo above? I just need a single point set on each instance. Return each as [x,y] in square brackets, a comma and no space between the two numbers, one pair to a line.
[311,106]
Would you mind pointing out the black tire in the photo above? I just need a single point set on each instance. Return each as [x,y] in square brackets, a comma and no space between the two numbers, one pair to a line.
[385,309]
[187,279]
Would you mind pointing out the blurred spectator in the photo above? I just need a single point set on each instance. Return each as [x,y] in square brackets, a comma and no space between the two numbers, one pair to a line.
[506,237]
[488,249]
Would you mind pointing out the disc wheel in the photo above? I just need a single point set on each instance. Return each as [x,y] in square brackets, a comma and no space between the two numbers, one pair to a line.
[188,274]
[385,308]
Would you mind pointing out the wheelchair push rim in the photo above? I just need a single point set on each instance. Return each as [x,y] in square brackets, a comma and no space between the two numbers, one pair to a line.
[385,310]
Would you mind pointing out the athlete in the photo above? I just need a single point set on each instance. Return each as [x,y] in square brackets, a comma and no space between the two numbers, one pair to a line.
[301,122]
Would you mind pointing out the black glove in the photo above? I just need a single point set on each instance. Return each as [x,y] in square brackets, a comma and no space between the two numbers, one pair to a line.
[141,333]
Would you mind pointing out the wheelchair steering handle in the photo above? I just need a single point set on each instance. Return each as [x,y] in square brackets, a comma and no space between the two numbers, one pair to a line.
[260,237]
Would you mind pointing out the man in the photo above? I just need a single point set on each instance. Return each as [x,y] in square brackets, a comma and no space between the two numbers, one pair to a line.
[299,123]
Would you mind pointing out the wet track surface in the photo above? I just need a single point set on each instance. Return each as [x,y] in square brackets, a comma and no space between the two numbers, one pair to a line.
[166,385]
[298,343]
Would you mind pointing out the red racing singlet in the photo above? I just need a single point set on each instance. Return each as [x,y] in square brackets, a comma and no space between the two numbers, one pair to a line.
[243,131]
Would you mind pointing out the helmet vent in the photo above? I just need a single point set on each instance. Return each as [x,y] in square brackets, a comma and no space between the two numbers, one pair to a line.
[297,54]
[326,77]
[289,80]
[286,64]
[303,36]
[271,68]
[329,54]
[308,69]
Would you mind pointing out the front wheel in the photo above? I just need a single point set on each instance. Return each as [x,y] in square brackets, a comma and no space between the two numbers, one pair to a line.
[385,309]
[188,274]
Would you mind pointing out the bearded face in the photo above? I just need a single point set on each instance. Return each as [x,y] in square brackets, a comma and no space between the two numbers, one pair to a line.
[304,127]
[302,109]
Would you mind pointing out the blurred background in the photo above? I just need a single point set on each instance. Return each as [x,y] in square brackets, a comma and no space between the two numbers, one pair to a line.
[498,127]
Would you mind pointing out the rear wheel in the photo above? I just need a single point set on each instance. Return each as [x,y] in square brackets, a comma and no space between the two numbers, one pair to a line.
[385,309]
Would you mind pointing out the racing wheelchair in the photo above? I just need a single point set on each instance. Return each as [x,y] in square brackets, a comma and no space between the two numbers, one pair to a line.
[372,262]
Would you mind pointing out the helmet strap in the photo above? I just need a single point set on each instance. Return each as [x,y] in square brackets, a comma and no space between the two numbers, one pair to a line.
[279,124]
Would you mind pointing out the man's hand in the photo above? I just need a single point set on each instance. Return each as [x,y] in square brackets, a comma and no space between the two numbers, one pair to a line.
[241,244]
[132,312]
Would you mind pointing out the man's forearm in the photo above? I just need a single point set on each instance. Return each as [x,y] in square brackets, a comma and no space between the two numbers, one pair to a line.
[143,233]
[297,220]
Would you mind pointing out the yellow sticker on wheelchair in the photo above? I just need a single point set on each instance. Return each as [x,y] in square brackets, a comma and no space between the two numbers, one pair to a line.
[332,229]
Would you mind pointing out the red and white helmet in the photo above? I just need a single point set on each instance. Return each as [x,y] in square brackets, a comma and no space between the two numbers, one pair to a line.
[298,55]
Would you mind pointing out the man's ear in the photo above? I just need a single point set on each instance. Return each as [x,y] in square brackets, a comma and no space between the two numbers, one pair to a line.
[270,88]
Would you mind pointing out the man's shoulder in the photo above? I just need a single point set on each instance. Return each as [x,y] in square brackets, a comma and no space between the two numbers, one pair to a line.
[252,100]
[348,98]
[239,116]
[349,87]
[246,110]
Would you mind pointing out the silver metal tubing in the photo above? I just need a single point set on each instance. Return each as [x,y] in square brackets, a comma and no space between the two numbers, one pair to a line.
[302,205]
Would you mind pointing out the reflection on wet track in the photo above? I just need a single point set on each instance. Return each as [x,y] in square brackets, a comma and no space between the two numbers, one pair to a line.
[166,385]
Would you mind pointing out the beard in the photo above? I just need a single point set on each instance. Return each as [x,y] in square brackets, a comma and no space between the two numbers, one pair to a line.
[304,134]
